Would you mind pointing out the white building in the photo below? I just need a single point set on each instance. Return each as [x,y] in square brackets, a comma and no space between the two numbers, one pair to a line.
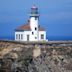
[31,31]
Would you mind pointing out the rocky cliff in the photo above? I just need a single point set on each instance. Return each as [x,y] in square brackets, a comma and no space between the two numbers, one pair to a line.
[53,56]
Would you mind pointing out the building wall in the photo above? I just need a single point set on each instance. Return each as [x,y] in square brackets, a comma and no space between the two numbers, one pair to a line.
[44,33]
[17,33]
[31,37]
[24,33]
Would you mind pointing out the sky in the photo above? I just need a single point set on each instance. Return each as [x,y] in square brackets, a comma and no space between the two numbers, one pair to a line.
[55,16]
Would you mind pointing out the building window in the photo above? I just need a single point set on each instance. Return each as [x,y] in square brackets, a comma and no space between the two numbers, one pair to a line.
[32,33]
[21,36]
[36,18]
[27,37]
[16,36]
[42,36]
[35,28]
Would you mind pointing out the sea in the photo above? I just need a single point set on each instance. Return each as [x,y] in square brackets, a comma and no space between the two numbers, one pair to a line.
[50,38]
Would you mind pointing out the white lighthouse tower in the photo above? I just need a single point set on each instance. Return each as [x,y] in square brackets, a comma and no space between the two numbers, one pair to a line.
[34,17]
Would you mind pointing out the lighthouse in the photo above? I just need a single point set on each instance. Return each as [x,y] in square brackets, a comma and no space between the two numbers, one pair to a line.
[32,30]
[34,17]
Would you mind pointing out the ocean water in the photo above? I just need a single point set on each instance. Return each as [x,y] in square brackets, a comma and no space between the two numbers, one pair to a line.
[50,38]
[57,38]
[6,38]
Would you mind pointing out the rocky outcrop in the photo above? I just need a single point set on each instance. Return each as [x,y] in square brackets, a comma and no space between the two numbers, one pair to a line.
[35,57]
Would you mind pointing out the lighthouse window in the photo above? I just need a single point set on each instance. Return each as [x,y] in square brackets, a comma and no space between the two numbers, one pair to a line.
[36,18]
[35,37]
[35,28]
[42,36]
[32,33]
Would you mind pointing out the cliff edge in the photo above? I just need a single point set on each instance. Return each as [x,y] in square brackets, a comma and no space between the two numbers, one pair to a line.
[53,56]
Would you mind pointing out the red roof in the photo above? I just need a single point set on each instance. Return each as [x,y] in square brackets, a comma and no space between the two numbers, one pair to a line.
[41,28]
[26,27]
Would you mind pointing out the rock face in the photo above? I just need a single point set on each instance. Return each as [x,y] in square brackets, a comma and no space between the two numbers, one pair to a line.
[42,57]
[36,51]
